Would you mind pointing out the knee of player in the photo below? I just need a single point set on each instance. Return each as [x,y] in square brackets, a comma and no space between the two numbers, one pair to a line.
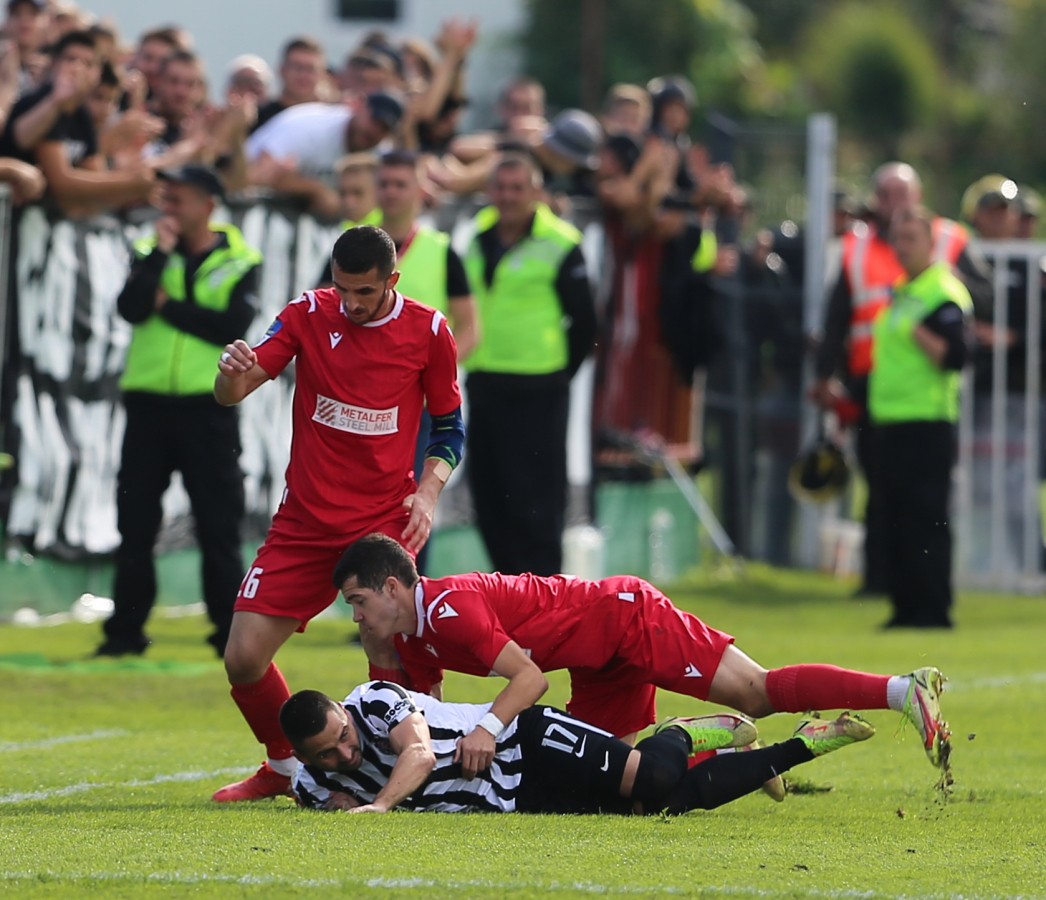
[242,666]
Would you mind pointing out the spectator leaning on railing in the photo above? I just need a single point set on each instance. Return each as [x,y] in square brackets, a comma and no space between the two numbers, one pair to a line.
[52,127]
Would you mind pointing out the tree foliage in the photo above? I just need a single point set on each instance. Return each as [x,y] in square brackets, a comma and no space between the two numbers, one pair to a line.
[952,85]
[873,69]
[710,41]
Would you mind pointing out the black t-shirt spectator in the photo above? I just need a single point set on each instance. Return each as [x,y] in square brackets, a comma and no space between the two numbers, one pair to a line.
[266,111]
[74,130]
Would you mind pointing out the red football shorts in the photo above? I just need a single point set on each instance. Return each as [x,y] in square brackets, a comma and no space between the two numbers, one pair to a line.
[291,576]
[662,647]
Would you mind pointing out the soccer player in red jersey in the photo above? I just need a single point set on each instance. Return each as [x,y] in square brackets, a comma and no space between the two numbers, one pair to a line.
[366,359]
[620,638]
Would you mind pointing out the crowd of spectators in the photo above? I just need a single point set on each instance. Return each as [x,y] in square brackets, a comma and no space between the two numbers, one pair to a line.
[88,120]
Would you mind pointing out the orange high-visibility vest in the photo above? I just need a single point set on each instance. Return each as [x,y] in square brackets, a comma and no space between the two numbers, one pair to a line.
[872,269]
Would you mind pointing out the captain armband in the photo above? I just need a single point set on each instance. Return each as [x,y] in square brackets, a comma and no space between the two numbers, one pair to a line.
[446,443]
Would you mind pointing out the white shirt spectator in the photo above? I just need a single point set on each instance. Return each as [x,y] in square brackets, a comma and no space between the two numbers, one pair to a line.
[312,134]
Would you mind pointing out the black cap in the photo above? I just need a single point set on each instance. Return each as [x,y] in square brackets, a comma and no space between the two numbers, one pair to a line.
[385,107]
[203,177]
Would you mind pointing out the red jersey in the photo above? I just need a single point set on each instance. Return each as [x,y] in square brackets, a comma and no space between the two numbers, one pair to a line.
[561,622]
[358,395]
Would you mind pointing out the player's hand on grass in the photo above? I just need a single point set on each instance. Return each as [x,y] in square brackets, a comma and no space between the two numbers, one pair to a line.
[237,358]
[342,801]
[368,808]
[419,526]
[475,752]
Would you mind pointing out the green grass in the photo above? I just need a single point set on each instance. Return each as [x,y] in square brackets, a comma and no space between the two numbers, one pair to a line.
[121,808]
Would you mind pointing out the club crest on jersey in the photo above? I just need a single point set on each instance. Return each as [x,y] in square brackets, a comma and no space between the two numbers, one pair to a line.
[355,419]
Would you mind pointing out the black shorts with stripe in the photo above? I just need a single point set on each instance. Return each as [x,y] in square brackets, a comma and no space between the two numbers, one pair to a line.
[569,766]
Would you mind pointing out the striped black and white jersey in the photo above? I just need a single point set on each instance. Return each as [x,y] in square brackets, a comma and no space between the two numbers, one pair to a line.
[376,708]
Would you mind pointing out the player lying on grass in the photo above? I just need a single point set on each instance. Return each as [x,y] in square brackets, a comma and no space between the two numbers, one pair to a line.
[620,638]
[385,747]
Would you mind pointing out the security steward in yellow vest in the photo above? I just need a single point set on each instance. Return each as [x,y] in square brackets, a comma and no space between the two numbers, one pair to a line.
[920,345]
[537,324]
[190,291]
[844,356]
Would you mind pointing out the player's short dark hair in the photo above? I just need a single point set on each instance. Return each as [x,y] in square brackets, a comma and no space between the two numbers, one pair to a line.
[372,559]
[363,248]
[304,715]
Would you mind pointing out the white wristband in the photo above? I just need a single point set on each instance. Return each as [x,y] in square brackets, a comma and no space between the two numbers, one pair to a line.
[491,723]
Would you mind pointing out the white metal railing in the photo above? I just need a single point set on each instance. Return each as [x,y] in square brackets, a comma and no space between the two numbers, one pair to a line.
[999,476]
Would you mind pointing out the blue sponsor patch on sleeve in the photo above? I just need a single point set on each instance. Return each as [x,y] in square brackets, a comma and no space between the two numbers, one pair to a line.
[273,329]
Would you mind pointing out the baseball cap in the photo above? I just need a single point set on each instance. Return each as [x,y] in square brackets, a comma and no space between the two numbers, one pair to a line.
[577,136]
[385,107]
[989,190]
[203,177]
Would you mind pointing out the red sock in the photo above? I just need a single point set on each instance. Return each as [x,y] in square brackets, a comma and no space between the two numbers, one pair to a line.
[260,704]
[799,688]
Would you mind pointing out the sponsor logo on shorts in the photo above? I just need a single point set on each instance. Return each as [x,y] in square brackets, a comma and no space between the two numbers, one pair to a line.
[581,750]
[691,671]
[606,762]
[355,419]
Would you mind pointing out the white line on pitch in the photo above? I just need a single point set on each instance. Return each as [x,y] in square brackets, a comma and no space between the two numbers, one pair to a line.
[44,743]
[84,786]
[445,885]
[997,681]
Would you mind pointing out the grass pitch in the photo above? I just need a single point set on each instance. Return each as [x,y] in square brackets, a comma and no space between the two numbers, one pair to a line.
[107,769]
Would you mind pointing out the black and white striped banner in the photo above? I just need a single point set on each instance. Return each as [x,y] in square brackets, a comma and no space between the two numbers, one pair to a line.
[68,417]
